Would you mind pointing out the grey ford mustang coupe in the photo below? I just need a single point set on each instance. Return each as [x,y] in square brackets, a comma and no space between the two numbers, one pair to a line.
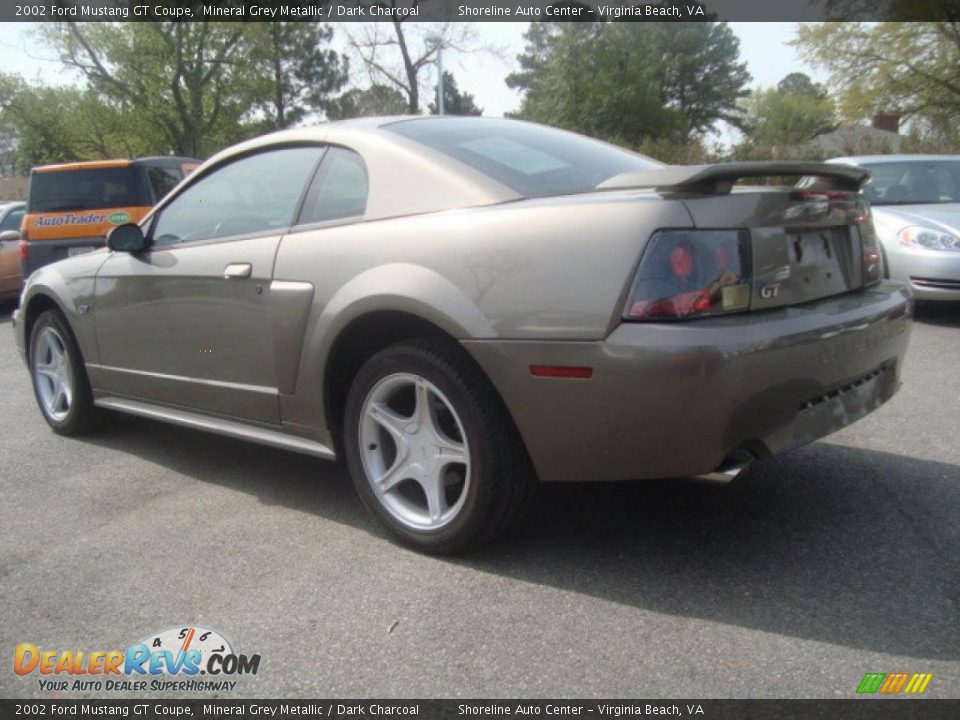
[463,307]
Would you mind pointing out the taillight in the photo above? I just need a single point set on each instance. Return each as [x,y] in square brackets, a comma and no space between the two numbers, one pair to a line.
[24,247]
[872,257]
[692,273]
[872,265]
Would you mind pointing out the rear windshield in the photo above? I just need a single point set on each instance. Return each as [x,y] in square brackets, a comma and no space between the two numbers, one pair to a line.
[84,189]
[919,182]
[533,160]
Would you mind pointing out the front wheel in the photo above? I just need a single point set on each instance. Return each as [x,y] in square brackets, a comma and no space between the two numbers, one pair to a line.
[431,449]
[59,378]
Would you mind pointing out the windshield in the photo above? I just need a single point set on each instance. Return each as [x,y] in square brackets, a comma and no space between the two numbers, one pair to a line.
[920,182]
[90,189]
[531,159]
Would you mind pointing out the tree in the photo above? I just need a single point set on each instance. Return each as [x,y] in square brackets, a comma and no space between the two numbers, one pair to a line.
[780,120]
[589,78]
[629,82]
[907,69]
[455,102]
[183,81]
[300,70]
[395,54]
[194,87]
[47,124]
[374,100]
[535,59]
[800,83]
[699,72]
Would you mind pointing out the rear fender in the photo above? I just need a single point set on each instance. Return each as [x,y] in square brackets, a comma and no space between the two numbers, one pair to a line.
[396,287]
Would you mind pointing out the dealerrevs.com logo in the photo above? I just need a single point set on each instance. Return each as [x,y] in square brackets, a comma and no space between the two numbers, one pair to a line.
[179,652]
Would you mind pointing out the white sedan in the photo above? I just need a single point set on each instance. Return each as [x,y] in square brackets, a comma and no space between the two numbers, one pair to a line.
[916,213]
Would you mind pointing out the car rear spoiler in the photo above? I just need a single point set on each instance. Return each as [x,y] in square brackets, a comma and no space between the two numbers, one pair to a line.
[718,179]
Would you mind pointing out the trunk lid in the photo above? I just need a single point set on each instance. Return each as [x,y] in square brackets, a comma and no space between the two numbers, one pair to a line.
[805,244]
[807,240]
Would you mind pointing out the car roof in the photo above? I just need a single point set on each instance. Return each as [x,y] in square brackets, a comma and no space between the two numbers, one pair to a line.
[432,180]
[338,131]
[114,163]
[165,160]
[83,165]
[861,159]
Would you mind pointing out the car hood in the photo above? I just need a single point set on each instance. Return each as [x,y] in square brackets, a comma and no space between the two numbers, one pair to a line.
[944,216]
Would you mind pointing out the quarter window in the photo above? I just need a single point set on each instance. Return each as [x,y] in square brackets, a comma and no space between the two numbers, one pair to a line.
[339,189]
[258,193]
[163,180]
[12,221]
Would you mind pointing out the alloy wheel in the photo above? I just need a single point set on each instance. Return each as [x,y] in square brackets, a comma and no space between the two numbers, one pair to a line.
[52,373]
[414,451]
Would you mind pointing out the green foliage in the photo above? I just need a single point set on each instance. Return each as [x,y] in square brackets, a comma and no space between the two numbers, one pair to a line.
[39,121]
[374,100]
[780,120]
[910,69]
[799,83]
[46,124]
[299,73]
[183,83]
[183,88]
[455,101]
[629,82]
[689,151]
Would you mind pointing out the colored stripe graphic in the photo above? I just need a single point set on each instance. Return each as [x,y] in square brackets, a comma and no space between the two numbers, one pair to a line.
[918,683]
[871,682]
[894,683]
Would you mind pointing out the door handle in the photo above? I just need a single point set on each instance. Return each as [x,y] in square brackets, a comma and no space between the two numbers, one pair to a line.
[237,270]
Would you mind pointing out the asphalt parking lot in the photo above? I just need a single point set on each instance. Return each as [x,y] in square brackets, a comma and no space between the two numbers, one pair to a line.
[810,570]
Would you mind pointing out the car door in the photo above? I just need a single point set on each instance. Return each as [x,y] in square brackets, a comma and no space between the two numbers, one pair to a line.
[189,322]
[10,275]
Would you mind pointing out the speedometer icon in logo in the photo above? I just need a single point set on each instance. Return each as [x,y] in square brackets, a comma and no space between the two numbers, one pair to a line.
[180,640]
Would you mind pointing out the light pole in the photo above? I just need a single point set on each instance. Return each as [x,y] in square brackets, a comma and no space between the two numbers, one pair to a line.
[437,41]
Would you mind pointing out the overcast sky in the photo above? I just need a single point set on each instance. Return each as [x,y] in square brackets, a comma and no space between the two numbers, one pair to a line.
[762,45]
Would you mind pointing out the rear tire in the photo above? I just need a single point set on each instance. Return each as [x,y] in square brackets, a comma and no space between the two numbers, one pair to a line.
[431,449]
[59,376]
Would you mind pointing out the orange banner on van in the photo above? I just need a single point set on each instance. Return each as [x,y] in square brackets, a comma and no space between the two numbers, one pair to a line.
[80,223]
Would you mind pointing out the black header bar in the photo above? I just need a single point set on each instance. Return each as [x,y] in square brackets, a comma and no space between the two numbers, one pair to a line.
[477,10]
[192,709]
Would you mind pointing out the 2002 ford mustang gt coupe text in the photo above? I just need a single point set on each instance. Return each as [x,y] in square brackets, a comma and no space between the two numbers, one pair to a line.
[463,307]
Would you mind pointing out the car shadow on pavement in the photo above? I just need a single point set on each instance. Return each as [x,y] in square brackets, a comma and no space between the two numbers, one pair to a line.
[828,543]
[945,314]
[6,311]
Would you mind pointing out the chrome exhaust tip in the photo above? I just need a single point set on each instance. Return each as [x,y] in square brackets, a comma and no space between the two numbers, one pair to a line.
[724,476]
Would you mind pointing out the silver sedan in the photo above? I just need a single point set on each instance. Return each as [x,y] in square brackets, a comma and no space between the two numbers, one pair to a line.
[916,212]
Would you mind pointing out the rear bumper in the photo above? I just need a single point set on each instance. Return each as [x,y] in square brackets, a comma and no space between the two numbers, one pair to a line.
[677,399]
[44,252]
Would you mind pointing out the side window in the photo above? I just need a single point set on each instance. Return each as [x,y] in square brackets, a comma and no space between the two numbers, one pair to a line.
[162,181]
[338,191]
[258,193]
[12,221]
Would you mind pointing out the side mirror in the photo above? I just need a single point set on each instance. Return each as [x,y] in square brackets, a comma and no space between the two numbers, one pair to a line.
[127,238]
[10,236]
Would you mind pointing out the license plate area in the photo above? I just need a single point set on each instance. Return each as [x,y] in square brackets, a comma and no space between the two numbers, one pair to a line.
[80,250]
[794,265]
